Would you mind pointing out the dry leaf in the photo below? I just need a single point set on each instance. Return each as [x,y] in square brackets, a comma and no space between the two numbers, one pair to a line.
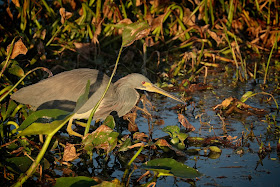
[70,153]
[136,145]
[188,19]
[64,15]
[215,37]
[183,120]
[131,117]
[9,13]
[162,142]
[19,48]
[140,136]
[157,22]
[227,102]
[16,2]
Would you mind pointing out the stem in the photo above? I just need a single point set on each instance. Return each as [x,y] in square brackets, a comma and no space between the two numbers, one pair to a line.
[108,85]
[267,65]
[130,162]
[8,57]
[54,35]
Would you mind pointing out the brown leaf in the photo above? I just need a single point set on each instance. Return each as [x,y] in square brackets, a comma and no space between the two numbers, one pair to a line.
[131,117]
[136,145]
[64,15]
[215,37]
[19,48]
[157,22]
[9,13]
[16,2]
[70,153]
[102,128]
[183,120]
[140,136]
[227,102]
[188,19]
[162,142]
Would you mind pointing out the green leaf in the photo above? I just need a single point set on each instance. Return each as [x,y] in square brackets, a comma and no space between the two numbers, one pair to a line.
[52,113]
[215,149]
[125,144]
[172,130]
[19,164]
[214,155]
[170,167]
[246,96]
[44,128]
[110,122]
[16,70]
[182,136]
[102,138]
[75,182]
[11,107]
[114,183]
[133,31]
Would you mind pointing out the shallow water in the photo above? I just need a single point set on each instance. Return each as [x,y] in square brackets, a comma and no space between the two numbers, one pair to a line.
[230,169]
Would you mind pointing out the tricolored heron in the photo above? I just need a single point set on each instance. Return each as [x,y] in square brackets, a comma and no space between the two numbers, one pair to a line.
[62,91]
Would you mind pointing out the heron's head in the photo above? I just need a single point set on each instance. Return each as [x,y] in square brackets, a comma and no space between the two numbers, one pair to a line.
[141,82]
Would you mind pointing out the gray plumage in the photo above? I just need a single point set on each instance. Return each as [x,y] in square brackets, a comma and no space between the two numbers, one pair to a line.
[62,91]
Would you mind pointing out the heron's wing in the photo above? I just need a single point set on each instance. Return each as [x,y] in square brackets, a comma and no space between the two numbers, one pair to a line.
[62,90]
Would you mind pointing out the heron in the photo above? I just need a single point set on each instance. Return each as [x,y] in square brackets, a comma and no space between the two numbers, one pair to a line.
[63,90]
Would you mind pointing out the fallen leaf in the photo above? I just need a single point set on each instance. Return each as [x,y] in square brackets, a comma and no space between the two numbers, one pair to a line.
[213,35]
[184,121]
[140,136]
[70,153]
[131,117]
[162,142]
[136,145]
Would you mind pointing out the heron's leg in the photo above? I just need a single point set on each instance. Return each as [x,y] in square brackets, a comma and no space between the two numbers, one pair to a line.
[143,110]
[70,130]
[81,123]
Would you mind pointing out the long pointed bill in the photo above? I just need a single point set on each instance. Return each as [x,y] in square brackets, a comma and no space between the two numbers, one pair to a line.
[152,88]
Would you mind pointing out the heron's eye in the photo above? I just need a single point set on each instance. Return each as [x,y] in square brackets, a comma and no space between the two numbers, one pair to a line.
[143,82]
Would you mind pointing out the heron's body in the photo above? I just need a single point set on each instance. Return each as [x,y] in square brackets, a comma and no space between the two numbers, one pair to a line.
[63,90]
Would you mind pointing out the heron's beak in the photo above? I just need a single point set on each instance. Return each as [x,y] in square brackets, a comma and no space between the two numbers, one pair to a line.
[152,88]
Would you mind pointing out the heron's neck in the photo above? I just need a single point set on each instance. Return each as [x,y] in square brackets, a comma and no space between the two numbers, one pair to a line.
[126,95]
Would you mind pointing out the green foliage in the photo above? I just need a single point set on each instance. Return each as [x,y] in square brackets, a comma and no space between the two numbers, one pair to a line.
[177,137]
[75,181]
[170,167]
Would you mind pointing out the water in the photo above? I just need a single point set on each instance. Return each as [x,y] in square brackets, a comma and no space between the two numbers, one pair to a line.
[231,168]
